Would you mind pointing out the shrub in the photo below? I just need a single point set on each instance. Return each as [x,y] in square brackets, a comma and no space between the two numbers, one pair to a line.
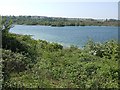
[13,62]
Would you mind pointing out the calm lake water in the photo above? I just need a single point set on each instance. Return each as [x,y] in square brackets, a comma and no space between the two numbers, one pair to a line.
[68,35]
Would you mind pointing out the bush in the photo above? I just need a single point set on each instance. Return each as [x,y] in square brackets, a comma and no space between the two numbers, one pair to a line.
[108,49]
[13,62]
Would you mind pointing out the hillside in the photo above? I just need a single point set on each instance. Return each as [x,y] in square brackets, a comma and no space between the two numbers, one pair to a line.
[29,63]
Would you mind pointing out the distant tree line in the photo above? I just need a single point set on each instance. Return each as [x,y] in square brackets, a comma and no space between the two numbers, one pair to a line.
[58,21]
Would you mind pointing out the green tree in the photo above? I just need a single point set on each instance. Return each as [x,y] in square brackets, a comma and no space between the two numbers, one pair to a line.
[6,24]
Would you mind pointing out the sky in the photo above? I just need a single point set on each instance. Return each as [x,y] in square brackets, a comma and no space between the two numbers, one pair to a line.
[98,9]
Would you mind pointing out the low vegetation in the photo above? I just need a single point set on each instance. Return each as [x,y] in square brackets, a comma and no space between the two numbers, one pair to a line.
[29,63]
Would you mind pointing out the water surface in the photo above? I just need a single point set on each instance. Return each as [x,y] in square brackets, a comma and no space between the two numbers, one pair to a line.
[68,35]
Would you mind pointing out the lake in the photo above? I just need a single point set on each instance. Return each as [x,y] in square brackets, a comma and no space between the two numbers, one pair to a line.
[68,35]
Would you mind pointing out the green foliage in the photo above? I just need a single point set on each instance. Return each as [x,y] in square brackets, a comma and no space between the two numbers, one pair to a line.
[6,24]
[1,67]
[21,44]
[13,63]
[0,23]
[70,68]
[29,63]
[107,50]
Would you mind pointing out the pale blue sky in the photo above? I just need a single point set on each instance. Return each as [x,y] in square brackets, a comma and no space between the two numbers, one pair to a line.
[71,8]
